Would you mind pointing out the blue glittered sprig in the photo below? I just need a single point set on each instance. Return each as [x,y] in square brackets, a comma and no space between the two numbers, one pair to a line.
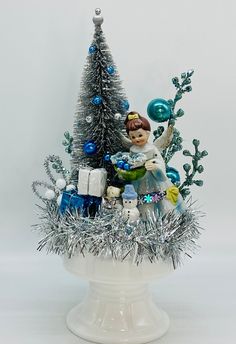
[68,142]
[182,85]
[191,170]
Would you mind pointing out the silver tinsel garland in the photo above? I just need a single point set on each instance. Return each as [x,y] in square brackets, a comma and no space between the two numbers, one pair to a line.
[170,237]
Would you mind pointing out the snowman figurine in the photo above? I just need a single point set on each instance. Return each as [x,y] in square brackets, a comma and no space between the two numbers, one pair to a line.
[130,211]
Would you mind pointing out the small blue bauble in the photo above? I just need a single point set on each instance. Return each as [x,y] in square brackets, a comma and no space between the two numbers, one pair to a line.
[90,147]
[126,166]
[97,100]
[107,157]
[120,164]
[159,110]
[110,70]
[125,105]
[92,49]
[173,175]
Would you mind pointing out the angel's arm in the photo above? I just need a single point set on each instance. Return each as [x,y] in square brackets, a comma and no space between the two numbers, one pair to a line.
[164,140]
[126,141]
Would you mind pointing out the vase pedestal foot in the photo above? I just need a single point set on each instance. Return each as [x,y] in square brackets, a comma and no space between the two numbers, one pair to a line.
[116,314]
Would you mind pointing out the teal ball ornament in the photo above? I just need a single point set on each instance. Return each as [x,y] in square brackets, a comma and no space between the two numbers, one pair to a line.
[125,105]
[90,148]
[159,110]
[173,175]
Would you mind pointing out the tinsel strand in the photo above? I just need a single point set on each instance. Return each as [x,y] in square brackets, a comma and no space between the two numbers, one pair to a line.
[171,237]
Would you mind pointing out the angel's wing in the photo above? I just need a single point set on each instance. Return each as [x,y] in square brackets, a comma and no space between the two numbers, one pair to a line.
[164,140]
[126,141]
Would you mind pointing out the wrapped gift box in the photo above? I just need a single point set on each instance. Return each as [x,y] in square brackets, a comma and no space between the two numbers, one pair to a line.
[87,205]
[92,181]
[83,180]
[71,201]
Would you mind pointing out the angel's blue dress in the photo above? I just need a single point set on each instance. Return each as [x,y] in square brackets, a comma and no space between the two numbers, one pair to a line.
[154,181]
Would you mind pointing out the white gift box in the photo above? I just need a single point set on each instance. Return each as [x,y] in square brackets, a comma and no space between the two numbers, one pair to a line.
[83,180]
[92,181]
[97,182]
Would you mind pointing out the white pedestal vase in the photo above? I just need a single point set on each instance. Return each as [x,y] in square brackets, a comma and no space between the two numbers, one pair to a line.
[118,307]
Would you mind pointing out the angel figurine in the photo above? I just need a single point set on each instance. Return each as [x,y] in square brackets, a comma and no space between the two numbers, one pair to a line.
[156,194]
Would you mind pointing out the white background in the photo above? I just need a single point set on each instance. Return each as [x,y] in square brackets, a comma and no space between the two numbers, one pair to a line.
[43,49]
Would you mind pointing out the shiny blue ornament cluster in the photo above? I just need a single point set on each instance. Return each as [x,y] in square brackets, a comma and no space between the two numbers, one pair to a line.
[97,100]
[90,147]
[159,110]
[173,175]
[110,70]
[125,105]
[123,165]
[127,161]
[92,49]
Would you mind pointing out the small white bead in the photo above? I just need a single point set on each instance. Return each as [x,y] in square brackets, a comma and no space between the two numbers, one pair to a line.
[117,116]
[49,194]
[60,183]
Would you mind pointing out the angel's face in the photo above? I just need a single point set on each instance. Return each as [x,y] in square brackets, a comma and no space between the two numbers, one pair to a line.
[139,137]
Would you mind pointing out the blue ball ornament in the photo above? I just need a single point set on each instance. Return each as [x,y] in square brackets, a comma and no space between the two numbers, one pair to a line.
[120,164]
[125,105]
[107,157]
[126,166]
[173,175]
[97,100]
[159,110]
[92,49]
[90,147]
[110,70]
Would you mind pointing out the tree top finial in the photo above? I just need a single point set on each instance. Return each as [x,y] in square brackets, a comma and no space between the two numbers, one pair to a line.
[98,19]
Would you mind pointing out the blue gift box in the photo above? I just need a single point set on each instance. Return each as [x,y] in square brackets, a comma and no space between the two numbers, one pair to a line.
[91,205]
[71,200]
